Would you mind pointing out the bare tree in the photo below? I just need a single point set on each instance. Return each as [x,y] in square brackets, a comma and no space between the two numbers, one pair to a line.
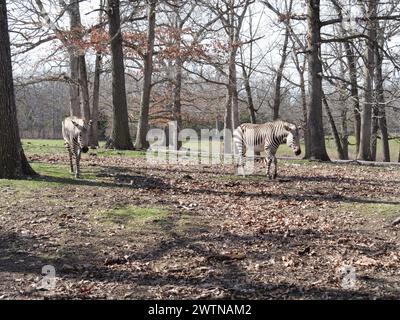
[143,125]
[314,111]
[120,131]
[13,163]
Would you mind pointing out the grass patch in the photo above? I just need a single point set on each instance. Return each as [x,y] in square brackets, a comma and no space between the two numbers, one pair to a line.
[134,216]
[43,146]
[50,175]
[378,209]
[51,147]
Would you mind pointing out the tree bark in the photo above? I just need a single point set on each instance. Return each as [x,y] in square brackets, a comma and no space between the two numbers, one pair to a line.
[250,102]
[381,110]
[335,132]
[366,115]
[314,111]
[143,125]
[279,75]
[83,81]
[74,60]
[95,103]
[13,163]
[120,133]
[352,65]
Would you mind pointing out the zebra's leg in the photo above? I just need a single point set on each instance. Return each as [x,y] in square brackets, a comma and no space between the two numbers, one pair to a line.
[275,168]
[269,157]
[268,161]
[68,147]
[77,164]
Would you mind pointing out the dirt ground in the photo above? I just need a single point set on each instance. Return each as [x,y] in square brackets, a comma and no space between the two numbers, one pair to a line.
[135,230]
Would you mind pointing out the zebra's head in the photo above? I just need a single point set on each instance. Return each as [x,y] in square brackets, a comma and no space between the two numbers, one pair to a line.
[293,138]
[83,134]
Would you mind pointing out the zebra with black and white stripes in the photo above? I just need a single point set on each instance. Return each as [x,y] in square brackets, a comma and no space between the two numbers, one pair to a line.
[266,137]
[75,132]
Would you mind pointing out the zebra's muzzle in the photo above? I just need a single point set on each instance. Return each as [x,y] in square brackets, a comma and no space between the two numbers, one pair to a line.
[85,149]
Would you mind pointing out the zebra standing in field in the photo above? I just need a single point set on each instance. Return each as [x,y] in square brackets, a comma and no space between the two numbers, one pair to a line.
[76,140]
[266,137]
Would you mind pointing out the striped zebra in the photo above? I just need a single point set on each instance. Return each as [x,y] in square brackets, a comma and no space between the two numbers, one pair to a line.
[75,132]
[266,137]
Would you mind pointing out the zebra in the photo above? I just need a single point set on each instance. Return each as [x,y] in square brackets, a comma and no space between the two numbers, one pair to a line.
[75,132]
[266,137]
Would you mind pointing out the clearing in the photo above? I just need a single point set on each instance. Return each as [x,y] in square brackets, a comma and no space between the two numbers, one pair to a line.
[135,230]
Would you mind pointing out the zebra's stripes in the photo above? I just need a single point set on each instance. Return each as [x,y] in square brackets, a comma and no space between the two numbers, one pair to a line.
[265,137]
[75,132]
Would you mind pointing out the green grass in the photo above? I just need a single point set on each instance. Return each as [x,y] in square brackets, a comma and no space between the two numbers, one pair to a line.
[44,147]
[50,175]
[378,209]
[51,147]
[133,216]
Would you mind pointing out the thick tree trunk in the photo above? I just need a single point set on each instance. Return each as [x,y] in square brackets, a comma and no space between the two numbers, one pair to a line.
[366,115]
[74,60]
[233,86]
[228,129]
[120,133]
[13,163]
[143,125]
[279,75]
[75,104]
[314,110]
[374,132]
[83,81]
[95,106]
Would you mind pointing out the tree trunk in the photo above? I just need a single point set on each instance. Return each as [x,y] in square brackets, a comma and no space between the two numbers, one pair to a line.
[354,93]
[177,104]
[96,91]
[233,86]
[75,104]
[366,115]
[95,106]
[381,110]
[279,75]
[13,163]
[120,133]
[351,61]
[228,130]
[83,81]
[314,110]
[374,132]
[74,60]
[143,125]
[250,103]
[334,129]
[344,135]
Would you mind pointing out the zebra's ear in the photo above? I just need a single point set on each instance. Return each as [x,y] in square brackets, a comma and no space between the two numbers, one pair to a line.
[90,123]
